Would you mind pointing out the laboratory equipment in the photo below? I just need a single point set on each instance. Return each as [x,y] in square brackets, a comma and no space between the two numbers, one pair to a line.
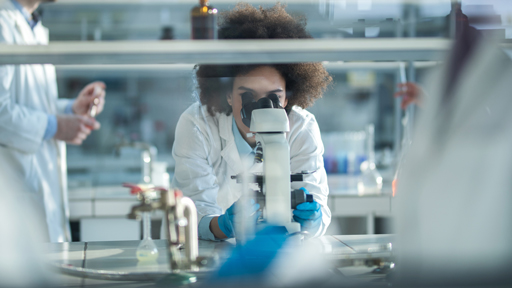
[181,229]
[268,120]
[406,137]
[370,180]
[93,110]
[148,155]
[180,221]
[147,250]
[94,107]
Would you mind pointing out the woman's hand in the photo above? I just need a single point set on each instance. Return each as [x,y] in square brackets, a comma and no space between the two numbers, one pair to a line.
[224,226]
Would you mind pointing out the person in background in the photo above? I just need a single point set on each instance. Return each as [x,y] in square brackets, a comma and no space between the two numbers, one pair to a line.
[411,93]
[211,138]
[35,124]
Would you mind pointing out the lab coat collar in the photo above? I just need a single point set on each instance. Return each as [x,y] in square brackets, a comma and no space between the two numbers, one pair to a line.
[24,29]
[32,19]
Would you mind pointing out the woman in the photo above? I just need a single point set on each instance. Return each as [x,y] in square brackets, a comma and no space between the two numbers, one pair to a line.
[211,138]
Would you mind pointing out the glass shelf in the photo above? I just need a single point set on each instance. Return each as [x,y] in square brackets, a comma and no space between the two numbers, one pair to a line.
[227,51]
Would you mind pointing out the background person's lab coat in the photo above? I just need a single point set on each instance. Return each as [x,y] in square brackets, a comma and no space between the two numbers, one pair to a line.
[27,94]
[454,197]
[206,157]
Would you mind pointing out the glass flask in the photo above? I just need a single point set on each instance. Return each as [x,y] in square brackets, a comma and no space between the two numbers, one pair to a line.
[370,180]
[147,250]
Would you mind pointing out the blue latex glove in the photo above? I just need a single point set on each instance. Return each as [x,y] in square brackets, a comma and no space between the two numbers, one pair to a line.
[227,220]
[250,261]
[308,214]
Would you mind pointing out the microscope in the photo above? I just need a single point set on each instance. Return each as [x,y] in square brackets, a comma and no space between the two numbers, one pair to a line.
[269,121]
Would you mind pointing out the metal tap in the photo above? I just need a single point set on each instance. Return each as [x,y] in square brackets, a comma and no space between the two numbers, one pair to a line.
[148,155]
[181,224]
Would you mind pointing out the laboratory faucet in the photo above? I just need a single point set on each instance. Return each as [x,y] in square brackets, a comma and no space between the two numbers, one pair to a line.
[181,229]
[148,155]
[180,220]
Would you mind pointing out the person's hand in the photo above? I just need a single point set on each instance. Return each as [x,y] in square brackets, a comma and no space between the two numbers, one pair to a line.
[74,129]
[411,93]
[308,214]
[227,220]
[85,98]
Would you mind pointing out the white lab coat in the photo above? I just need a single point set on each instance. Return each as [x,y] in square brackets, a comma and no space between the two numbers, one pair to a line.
[27,94]
[454,197]
[206,157]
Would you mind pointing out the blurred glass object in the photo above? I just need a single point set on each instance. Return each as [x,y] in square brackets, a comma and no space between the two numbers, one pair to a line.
[406,136]
[147,251]
[23,226]
[370,180]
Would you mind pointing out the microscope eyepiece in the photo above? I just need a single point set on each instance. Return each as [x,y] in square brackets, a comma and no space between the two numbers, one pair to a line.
[265,103]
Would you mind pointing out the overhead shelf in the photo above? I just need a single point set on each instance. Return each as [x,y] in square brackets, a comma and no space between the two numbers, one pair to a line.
[193,2]
[227,51]
[177,70]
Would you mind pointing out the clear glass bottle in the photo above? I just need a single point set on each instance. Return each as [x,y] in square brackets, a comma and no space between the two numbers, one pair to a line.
[370,181]
[204,21]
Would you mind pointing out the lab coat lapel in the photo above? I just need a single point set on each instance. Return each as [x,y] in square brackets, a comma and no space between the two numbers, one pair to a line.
[229,152]
[42,74]
[24,29]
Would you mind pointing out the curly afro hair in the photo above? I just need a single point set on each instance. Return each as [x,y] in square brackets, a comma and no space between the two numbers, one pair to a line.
[305,82]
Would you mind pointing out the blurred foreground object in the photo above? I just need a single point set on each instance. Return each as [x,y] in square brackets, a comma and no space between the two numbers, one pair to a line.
[272,259]
[453,201]
[22,222]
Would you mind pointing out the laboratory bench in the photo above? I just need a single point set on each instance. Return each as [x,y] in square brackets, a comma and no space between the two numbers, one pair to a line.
[101,210]
[348,255]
